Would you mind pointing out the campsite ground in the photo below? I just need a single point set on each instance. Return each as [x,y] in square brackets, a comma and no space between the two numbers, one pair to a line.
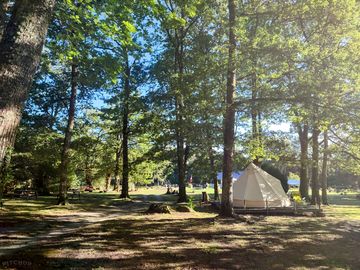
[103,232]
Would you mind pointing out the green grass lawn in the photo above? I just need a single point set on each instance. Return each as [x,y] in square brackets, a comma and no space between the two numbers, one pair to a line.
[102,231]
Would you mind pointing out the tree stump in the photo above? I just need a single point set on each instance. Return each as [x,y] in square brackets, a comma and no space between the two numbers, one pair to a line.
[156,208]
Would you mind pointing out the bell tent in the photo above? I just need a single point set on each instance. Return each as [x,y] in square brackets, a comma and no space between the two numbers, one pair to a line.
[257,188]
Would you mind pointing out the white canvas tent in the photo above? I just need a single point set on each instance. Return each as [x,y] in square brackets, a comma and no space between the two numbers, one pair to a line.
[257,188]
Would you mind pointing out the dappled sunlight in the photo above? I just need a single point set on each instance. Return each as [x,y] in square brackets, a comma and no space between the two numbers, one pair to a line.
[103,231]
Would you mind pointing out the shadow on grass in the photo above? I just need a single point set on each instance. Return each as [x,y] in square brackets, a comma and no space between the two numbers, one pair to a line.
[191,243]
[120,236]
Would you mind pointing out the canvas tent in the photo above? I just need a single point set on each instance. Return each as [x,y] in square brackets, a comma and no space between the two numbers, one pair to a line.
[257,188]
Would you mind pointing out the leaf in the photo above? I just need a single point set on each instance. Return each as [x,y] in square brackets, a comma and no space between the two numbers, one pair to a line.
[129,26]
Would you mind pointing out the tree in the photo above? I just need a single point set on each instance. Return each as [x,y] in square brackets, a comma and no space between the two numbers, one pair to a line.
[76,35]
[67,140]
[303,131]
[177,19]
[229,119]
[324,169]
[20,50]
[125,131]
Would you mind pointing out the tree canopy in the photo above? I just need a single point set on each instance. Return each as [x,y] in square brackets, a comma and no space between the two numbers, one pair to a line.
[177,91]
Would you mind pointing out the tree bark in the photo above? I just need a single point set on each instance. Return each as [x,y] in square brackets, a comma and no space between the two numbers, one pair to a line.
[4,6]
[213,173]
[20,50]
[42,182]
[67,140]
[107,181]
[117,166]
[229,121]
[255,116]
[87,171]
[315,196]
[179,104]
[125,132]
[254,122]
[304,143]
[323,177]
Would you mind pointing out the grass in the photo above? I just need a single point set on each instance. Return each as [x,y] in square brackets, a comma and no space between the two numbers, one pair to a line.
[102,231]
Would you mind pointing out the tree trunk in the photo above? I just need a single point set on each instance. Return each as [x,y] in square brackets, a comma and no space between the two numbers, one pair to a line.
[107,181]
[315,196]
[180,121]
[117,166]
[254,119]
[324,169]
[181,165]
[213,173]
[87,171]
[125,133]
[229,121]
[20,50]
[67,141]
[304,143]
[42,182]
[260,130]
[4,6]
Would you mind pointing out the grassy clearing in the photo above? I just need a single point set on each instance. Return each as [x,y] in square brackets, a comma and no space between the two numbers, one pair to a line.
[102,231]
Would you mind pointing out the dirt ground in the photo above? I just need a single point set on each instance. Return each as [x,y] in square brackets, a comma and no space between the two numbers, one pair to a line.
[103,232]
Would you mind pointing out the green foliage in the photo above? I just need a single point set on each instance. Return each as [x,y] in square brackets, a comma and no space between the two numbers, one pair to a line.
[294,176]
[297,61]
[191,203]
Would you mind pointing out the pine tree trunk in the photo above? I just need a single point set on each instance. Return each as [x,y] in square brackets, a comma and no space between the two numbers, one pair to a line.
[315,196]
[213,173]
[323,177]
[42,182]
[88,176]
[180,122]
[260,131]
[181,165]
[20,50]
[107,181]
[229,121]
[304,143]
[125,133]
[254,119]
[67,141]
[117,166]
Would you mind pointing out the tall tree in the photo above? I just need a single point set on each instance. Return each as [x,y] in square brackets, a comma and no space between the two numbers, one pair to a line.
[20,50]
[77,32]
[65,157]
[315,196]
[324,169]
[303,131]
[125,131]
[229,119]
[177,19]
